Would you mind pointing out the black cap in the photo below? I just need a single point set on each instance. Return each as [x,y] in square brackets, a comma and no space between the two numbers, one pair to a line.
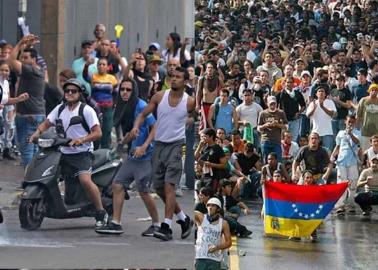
[226,182]
[85,43]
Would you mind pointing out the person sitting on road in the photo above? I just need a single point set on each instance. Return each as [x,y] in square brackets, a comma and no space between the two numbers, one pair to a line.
[77,157]
[369,181]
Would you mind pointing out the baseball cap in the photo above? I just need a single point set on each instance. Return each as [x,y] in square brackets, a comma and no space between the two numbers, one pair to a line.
[306,72]
[155,58]
[272,99]
[214,201]
[198,24]
[154,44]
[336,46]
[86,43]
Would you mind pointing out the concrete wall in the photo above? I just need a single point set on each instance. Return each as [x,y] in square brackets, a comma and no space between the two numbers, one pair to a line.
[144,21]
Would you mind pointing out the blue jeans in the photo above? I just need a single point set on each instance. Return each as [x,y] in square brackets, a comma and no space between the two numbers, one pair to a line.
[248,190]
[327,142]
[256,139]
[268,147]
[294,128]
[337,125]
[189,156]
[25,127]
[305,125]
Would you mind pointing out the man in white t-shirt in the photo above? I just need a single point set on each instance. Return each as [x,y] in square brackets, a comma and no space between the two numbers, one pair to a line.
[248,113]
[321,111]
[77,157]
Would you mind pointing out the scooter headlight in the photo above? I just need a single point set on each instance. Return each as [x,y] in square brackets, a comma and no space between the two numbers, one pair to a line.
[45,142]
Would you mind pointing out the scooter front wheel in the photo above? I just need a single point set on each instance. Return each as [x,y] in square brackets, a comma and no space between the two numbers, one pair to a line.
[31,213]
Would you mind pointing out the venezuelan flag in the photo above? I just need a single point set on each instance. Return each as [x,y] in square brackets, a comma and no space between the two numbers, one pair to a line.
[295,210]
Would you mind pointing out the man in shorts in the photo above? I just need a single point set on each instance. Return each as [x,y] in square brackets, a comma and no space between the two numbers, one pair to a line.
[173,106]
[137,165]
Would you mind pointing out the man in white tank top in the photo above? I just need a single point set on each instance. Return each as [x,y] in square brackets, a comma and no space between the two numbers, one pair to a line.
[213,236]
[172,107]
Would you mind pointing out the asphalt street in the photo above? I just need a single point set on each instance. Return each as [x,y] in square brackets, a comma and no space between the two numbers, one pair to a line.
[343,243]
[72,243]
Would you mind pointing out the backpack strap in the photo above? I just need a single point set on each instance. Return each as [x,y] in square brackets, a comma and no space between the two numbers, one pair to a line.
[216,111]
[61,108]
[84,122]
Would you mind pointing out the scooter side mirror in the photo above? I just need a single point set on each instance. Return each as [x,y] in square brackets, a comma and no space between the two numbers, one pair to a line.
[75,120]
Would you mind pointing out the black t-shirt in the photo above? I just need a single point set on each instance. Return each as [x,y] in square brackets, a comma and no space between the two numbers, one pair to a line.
[247,163]
[344,95]
[213,154]
[290,105]
[227,201]
[200,207]
[315,160]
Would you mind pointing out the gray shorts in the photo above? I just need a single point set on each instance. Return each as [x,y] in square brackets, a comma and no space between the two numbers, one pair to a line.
[167,163]
[138,170]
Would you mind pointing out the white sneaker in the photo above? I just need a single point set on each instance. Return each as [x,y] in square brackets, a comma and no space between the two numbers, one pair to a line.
[179,192]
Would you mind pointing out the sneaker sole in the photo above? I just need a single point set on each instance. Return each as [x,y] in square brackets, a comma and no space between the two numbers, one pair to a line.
[148,234]
[187,232]
[161,236]
[109,232]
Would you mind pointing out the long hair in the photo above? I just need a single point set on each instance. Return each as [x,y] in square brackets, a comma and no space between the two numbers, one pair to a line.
[176,43]
[124,111]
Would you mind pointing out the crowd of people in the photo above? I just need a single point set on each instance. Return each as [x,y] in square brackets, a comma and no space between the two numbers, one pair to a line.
[283,91]
[287,92]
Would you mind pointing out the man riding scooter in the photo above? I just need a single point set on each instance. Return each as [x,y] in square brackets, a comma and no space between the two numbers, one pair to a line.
[77,157]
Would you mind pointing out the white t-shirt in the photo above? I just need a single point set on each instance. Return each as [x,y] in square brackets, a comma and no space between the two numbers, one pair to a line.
[4,92]
[322,122]
[167,56]
[249,113]
[75,131]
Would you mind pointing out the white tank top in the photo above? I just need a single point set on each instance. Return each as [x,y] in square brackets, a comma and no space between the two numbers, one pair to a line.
[171,121]
[208,235]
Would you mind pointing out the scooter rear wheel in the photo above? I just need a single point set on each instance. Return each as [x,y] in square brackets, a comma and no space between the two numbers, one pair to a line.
[31,213]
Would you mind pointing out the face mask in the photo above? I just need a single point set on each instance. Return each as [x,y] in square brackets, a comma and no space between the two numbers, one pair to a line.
[212,218]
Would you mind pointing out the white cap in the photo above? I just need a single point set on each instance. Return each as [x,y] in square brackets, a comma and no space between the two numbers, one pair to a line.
[306,72]
[214,201]
[156,45]
[336,46]
[272,99]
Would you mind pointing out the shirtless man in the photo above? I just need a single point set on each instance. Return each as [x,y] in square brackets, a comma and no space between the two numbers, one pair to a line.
[208,90]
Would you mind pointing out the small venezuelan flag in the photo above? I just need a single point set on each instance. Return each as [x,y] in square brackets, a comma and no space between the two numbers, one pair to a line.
[295,210]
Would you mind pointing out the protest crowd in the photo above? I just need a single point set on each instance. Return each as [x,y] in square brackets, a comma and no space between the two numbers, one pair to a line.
[276,91]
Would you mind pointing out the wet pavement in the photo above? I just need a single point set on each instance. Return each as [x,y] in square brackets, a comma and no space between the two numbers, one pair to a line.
[343,243]
[72,243]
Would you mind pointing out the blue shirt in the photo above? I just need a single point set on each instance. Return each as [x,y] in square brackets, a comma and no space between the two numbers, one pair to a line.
[144,131]
[347,157]
[224,118]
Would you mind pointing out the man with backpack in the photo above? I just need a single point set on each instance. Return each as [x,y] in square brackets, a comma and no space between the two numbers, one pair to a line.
[223,114]
[77,156]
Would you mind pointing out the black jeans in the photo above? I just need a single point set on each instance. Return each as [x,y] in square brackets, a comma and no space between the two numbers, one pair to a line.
[366,199]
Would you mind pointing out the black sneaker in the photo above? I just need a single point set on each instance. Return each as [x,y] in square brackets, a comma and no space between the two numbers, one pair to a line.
[110,228]
[8,154]
[101,219]
[164,233]
[1,217]
[186,227]
[151,230]
[245,233]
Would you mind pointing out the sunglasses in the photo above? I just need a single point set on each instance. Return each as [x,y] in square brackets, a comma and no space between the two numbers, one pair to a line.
[123,89]
[71,91]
